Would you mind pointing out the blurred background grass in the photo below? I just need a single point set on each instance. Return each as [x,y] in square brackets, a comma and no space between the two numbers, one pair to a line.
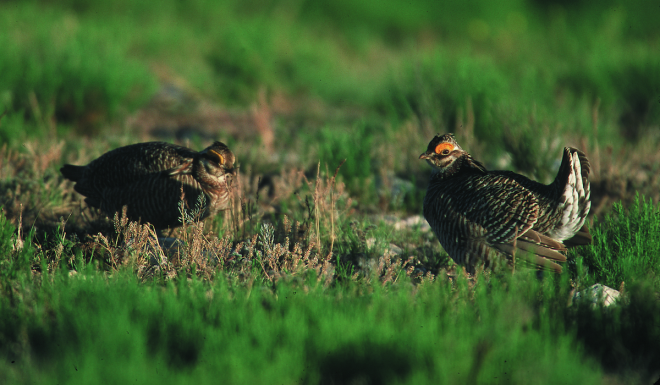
[516,80]
[549,62]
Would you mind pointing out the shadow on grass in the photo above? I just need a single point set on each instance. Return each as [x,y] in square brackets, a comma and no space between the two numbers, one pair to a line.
[363,363]
[624,338]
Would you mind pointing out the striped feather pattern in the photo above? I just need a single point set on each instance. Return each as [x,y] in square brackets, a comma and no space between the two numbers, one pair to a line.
[148,179]
[486,217]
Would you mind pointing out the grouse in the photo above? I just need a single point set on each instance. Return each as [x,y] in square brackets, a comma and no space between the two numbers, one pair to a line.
[489,218]
[151,179]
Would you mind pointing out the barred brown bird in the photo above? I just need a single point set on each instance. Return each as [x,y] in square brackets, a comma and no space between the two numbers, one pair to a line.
[486,217]
[147,178]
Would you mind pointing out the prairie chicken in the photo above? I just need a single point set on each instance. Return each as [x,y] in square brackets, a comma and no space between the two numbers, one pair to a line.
[148,179]
[486,217]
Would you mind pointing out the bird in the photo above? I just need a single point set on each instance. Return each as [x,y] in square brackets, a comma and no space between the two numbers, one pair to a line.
[151,179]
[490,219]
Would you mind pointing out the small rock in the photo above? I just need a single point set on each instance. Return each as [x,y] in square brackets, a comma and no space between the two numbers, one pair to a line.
[597,293]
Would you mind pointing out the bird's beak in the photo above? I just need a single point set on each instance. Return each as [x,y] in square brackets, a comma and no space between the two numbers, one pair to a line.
[424,156]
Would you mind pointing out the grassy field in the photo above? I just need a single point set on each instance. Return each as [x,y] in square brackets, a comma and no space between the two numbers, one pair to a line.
[322,272]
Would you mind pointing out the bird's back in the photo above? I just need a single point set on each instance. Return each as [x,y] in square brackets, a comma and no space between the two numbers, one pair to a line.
[564,204]
[138,177]
[126,165]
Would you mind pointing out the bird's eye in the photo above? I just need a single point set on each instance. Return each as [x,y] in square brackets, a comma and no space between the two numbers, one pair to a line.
[444,148]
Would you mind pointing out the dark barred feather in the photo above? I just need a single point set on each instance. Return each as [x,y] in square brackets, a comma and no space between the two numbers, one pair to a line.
[482,217]
[149,178]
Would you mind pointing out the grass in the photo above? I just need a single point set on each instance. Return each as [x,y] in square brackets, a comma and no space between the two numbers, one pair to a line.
[318,273]
[371,316]
[306,333]
[626,245]
[78,79]
[448,330]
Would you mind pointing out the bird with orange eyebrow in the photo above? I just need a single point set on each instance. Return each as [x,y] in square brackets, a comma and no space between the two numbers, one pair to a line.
[492,218]
[148,178]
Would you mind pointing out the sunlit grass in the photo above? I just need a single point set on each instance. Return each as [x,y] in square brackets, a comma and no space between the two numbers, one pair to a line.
[114,328]
[368,317]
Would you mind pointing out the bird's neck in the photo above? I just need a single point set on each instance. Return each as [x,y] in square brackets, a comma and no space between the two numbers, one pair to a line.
[463,166]
[201,174]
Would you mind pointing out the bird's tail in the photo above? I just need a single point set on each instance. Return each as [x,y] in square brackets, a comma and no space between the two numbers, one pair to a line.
[71,172]
[582,237]
[535,250]
[573,183]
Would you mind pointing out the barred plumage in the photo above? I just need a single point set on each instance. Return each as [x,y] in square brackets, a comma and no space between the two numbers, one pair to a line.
[147,178]
[486,217]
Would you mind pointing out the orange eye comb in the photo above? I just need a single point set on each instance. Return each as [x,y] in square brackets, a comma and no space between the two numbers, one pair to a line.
[221,159]
[443,146]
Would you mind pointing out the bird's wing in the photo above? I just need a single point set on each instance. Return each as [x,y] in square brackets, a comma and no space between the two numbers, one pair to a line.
[500,205]
[130,164]
[185,168]
[477,216]
[155,199]
[535,250]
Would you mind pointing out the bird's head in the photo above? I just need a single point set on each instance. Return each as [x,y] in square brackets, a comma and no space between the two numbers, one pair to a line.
[218,160]
[442,152]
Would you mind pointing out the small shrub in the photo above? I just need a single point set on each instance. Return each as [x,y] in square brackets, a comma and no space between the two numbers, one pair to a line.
[626,245]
